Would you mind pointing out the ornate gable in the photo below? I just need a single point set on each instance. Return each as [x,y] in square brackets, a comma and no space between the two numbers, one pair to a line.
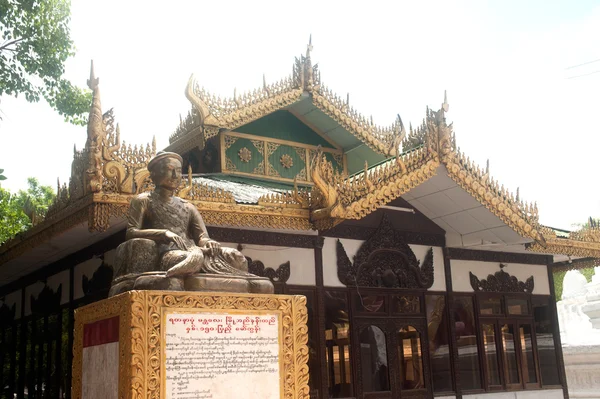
[385,260]
[501,282]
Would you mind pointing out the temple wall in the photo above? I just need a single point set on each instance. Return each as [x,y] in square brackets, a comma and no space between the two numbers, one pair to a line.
[60,280]
[330,278]
[302,260]
[87,269]
[541,394]
[32,290]
[461,268]
[14,298]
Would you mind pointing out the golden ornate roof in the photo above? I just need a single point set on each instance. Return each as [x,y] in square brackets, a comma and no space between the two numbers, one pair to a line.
[210,113]
[107,173]
[581,243]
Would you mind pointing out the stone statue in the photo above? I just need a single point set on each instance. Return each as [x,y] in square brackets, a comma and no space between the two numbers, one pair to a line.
[168,246]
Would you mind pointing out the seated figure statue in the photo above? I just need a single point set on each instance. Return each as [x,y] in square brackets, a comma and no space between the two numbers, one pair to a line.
[168,246]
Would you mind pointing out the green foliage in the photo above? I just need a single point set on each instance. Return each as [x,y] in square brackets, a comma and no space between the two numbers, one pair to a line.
[588,272]
[2,177]
[558,284]
[18,210]
[36,44]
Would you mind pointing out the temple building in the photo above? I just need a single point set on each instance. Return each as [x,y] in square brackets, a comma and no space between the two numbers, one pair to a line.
[424,276]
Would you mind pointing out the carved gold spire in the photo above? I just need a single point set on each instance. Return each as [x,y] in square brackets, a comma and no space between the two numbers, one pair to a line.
[95,137]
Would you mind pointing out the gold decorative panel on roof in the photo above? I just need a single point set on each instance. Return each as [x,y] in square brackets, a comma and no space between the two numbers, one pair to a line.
[269,158]
[106,174]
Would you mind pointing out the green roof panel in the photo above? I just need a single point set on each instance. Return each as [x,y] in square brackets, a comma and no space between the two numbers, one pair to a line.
[283,125]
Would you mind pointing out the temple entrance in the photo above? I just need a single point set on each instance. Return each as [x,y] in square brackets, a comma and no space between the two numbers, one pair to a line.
[390,361]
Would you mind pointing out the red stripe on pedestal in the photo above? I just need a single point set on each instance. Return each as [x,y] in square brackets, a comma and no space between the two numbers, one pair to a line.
[101,332]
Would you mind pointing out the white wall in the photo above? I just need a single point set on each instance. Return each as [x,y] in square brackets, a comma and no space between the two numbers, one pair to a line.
[87,269]
[330,278]
[537,394]
[32,290]
[460,274]
[302,260]
[61,279]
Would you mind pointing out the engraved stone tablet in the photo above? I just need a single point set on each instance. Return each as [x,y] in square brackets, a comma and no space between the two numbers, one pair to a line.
[221,355]
[191,345]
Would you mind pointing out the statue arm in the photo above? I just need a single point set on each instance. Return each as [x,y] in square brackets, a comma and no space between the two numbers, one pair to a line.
[135,221]
[198,228]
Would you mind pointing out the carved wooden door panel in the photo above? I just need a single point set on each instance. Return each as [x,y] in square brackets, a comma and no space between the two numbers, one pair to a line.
[389,361]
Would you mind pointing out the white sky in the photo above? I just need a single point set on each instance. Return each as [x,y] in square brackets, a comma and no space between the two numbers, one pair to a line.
[502,62]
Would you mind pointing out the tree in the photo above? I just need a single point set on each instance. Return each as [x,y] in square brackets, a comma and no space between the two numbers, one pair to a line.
[36,44]
[18,211]
[2,177]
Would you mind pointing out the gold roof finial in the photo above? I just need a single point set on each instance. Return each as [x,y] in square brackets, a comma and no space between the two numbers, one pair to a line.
[309,47]
[93,81]
[94,128]
[445,105]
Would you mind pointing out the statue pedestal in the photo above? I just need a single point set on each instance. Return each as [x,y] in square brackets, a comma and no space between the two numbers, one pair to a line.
[176,345]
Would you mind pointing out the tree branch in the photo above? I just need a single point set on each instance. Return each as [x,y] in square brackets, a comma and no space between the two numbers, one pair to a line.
[5,46]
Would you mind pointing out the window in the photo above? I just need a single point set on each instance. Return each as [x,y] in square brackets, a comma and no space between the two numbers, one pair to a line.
[466,342]
[490,348]
[544,337]
[490,305]
[527,355]
[509,354]
[518,341]
[411,358]
[374,360]
[439,350]
[337,341]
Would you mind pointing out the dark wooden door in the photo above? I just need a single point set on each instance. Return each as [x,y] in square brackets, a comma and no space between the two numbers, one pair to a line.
[389,358]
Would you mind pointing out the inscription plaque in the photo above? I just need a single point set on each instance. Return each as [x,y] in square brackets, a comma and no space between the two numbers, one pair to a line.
[221,355]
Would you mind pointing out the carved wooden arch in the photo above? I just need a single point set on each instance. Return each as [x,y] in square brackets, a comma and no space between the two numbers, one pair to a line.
[100,281]
[385,260]
[7,314]
[501,282]
[279,275]
[47,301]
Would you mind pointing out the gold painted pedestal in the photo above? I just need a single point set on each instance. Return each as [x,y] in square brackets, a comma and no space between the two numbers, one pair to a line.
[120,344]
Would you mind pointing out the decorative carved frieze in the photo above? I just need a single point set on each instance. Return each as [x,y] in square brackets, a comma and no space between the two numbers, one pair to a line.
[279,275]
[498,257]
[385,260]
[245,155]
[501,282]
[47,301]
[7,314]
[100,280]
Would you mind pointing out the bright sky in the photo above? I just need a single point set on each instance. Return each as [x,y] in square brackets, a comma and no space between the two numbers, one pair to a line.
[503,64]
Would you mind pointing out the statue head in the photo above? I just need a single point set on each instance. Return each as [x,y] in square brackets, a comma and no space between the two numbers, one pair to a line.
[165,170]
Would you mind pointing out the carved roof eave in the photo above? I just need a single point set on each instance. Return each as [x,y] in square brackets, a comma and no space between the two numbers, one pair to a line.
[218,213]
[214,114]
[361,194]
[582,243]
[569,247]
[63,220]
